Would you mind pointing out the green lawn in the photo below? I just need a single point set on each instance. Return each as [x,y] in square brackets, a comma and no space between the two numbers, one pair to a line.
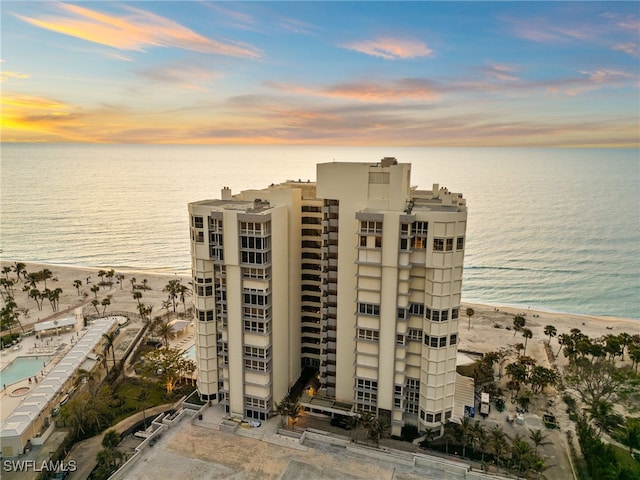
[128,392]
[624,459]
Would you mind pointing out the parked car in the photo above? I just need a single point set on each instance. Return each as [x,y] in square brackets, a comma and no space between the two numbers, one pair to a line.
[341,422]
[254,423]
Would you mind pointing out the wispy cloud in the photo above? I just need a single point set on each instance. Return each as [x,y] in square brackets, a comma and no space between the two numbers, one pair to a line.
[136,31]
[501,72]
[629,48]
[391,48]
[5,75]
[380,91]
[186,75]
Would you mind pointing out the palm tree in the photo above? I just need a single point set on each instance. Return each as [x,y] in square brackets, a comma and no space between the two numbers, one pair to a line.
[166,332]
[518,323]
[101,274]
[109,339]
[172,288]
[527,334]
[479,438]
[564,339]
[95,289]
[37,296]
[6,271]
[137,296]
[110,274]
[630,434]
[20,268]
[551,331]
[94,304]
[183,292]
[105,303]
[77,284]
[450,433]
[465,428]
[538,438]
[470,313]
[498,443]
[46,274]
[133,283]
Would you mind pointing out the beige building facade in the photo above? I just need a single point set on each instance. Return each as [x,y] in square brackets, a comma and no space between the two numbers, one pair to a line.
[357,276]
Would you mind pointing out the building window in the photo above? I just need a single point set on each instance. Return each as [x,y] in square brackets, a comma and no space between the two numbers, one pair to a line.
[438,244]
[444,315]
[370,227]
[402,313]
[460,243]
[368,334]
[449,244]
[419,243]
[404,244]
[400,340]
[378,242]
[453,339]
[435,315]
[435,342]
[366,397]
[257,352]
[254,326]
[419,228]
[454,313]
[259,299]
[259,273]
[205,315]
[369,309]
[198,222]
[366,384]
[363,241]
[415,334]
[256,365]
[416,309]
[255,258]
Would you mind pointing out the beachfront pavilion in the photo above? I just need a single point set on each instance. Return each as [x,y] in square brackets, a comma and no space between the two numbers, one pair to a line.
[54,327]
[30,422]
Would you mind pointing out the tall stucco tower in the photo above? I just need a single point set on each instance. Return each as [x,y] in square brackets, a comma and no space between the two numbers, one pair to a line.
[358,276]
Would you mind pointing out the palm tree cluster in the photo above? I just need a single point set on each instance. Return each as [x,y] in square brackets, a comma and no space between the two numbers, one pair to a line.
[375,428]
[600,458]
[109,459]
[177,292]
[515,454]
[578,345]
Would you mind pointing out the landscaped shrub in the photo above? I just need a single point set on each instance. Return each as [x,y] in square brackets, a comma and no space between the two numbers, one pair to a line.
[409,433]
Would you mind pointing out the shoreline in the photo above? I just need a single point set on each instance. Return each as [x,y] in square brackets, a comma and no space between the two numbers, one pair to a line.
[168,272]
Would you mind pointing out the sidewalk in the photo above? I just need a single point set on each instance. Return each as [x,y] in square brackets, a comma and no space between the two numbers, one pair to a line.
[84,452]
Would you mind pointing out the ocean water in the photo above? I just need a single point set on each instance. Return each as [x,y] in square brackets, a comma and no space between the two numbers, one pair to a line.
[555,229]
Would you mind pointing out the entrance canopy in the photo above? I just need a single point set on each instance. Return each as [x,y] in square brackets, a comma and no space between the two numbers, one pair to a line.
[53,324]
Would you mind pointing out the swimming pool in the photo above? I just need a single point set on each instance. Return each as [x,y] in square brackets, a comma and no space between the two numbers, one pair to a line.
[22,368]
[190,353]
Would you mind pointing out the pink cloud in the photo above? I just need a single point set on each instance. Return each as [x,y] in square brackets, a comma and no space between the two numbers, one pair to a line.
[136,31]
[632,49]
[391,48]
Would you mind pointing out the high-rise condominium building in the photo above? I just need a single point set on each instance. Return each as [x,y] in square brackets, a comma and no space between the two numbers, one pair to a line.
[358,275]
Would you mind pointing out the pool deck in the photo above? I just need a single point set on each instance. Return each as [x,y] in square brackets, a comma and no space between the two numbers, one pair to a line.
[30,346]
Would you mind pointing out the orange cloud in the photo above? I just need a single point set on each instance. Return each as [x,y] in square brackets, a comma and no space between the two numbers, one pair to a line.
[391,48]
[632,49]
[136,31]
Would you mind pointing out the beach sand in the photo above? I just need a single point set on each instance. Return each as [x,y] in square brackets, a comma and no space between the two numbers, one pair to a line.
[482,337]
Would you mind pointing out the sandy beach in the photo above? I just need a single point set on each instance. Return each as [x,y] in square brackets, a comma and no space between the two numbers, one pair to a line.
[488,330]
[491,326]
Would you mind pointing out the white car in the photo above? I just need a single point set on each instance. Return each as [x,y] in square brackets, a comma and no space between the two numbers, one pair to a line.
[254,423]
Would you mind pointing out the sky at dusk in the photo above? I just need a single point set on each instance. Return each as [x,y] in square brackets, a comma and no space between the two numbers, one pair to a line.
[333,73]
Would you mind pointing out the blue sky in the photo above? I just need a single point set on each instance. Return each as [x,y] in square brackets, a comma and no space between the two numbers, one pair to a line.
[333,73]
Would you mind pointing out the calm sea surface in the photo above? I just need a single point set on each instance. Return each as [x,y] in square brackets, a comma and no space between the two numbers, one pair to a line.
[548,228]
